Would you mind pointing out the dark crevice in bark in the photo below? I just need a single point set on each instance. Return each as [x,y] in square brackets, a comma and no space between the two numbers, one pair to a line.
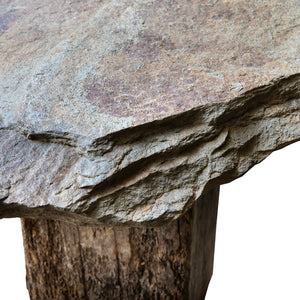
[118,264]
[82,264]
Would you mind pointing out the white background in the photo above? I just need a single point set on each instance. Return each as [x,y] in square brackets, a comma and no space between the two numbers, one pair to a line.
[257,253]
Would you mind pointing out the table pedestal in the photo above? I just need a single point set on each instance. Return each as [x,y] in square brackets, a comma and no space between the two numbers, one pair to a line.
[175,261]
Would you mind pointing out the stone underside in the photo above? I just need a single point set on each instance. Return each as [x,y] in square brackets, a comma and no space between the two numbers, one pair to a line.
[126,113]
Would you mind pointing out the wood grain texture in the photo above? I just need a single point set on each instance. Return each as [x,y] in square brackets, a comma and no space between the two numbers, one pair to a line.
[175,261]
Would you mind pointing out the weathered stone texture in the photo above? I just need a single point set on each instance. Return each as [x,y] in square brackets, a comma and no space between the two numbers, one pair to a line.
[125,112]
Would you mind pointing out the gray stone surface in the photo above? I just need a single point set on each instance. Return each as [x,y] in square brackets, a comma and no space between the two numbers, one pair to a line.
[125,112]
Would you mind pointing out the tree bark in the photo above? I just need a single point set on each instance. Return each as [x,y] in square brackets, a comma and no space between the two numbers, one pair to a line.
[175,261]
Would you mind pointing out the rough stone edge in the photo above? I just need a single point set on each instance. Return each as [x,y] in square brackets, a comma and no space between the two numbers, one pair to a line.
[219,117]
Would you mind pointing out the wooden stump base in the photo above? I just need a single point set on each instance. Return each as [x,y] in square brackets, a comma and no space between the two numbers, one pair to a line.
[175,261]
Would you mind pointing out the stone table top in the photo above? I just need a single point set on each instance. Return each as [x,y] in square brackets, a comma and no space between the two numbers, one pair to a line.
[127,111]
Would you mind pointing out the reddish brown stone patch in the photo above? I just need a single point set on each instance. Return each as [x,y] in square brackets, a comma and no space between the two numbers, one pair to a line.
[148,46]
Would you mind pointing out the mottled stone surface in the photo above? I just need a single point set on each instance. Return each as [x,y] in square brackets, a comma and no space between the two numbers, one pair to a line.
[127,111]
